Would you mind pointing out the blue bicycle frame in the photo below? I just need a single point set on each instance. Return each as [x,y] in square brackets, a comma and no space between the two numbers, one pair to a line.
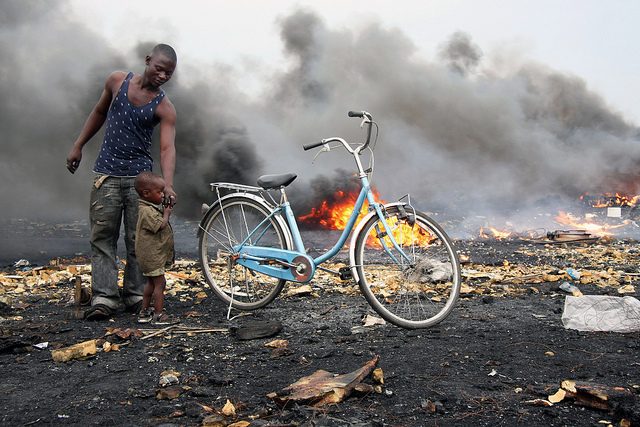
[301,269]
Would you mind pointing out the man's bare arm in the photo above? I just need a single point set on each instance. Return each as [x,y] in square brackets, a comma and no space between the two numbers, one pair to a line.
[95,120]
[167,114]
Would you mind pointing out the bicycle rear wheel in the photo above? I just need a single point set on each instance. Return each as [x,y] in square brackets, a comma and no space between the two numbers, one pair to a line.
[228,224]
[411,294]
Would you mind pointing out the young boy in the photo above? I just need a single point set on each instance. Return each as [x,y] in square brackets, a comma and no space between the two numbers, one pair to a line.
[154,245]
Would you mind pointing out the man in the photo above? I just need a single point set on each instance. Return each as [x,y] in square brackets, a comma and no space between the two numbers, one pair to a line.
[132,105]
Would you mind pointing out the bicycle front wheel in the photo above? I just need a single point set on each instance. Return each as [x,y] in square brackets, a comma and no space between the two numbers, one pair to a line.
[414,288]
[226,225]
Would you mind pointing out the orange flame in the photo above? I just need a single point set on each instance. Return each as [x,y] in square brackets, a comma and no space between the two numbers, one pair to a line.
[593,228]
[400,234]
[495,233]
[609,199]
[334,214]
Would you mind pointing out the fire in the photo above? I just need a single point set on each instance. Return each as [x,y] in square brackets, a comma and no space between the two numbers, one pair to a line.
[593,228]
[497,234]
[609,200]
[400,234]
[334,214]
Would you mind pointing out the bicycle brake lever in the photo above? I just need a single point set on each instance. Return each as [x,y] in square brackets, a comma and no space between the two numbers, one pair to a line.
[325,148]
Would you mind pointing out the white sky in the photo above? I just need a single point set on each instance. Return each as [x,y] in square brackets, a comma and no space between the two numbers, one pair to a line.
[592,39]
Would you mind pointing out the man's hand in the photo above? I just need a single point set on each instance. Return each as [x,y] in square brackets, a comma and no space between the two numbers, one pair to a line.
[73,160]
[170,197]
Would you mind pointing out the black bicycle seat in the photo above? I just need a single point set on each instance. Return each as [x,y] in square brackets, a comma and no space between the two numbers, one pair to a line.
[269,182]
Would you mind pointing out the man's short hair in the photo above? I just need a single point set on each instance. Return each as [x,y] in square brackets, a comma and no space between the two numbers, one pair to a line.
[166,51]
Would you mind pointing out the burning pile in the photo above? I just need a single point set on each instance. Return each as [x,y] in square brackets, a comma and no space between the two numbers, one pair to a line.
[609,200]
[595,217]
[334,212]
[591,223]
[592,227]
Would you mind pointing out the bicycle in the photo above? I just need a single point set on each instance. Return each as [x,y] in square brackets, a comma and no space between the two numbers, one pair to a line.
[404,263]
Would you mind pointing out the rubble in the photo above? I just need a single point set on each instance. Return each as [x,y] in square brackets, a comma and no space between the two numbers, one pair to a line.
[567,237]
[598,396]
[490,361]
[324,388]
[80,351]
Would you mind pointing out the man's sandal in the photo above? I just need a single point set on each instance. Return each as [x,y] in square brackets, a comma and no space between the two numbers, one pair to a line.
[135,307]
[98,312]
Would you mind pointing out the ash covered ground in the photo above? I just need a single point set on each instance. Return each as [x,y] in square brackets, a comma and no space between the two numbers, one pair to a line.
[494,361]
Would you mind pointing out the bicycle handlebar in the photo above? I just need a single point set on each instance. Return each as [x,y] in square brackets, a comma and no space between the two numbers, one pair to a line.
[312,145]
[367,119]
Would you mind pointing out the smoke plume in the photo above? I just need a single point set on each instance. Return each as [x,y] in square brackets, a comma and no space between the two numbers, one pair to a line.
[461,53]
[463,132]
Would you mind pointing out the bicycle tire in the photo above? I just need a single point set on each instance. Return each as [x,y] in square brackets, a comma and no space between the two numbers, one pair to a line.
[228,223]
[412,295]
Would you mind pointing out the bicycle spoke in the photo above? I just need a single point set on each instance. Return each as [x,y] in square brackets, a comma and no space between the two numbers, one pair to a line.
[415,283]
[231,225]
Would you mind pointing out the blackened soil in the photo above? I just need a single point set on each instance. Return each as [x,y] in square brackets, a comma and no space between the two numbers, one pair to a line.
[484,365]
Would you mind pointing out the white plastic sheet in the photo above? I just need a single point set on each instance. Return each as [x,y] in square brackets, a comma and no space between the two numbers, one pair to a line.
[601,313]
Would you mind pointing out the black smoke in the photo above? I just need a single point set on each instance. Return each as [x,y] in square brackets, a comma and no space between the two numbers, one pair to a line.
[460,53]
[461,131]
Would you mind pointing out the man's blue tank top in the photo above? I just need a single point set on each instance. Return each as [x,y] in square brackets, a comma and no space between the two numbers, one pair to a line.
[126,148]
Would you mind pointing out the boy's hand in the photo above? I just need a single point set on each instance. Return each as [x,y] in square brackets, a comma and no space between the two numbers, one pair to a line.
[169,201]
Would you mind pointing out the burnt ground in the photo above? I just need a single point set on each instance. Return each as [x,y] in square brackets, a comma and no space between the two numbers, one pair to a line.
[502,348]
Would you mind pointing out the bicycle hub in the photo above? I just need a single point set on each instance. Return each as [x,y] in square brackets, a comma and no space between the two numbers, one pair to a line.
[301,268]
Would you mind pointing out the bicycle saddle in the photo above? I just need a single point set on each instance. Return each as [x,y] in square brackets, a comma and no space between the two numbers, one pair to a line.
[269,182]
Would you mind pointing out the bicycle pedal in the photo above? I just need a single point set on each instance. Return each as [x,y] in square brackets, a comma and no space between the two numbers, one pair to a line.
[345,273]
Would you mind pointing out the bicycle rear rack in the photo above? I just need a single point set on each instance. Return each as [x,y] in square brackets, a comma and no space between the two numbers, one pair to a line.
[216,186]
[238,187]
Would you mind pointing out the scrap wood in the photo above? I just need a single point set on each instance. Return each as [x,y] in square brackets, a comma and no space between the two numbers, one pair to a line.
[180,276]
[158,332]
[568,240]
[199,330]
[322,387]
[594,395]
[125,334]
[527,276]
[177,329]
[78,351]
[184,277]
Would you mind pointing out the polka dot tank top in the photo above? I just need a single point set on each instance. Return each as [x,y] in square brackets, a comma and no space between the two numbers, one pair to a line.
[126,148]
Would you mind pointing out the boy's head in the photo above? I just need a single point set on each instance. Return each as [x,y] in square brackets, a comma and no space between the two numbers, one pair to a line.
[150,187]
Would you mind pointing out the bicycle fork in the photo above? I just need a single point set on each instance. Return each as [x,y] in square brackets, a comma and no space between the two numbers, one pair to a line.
[387,232]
